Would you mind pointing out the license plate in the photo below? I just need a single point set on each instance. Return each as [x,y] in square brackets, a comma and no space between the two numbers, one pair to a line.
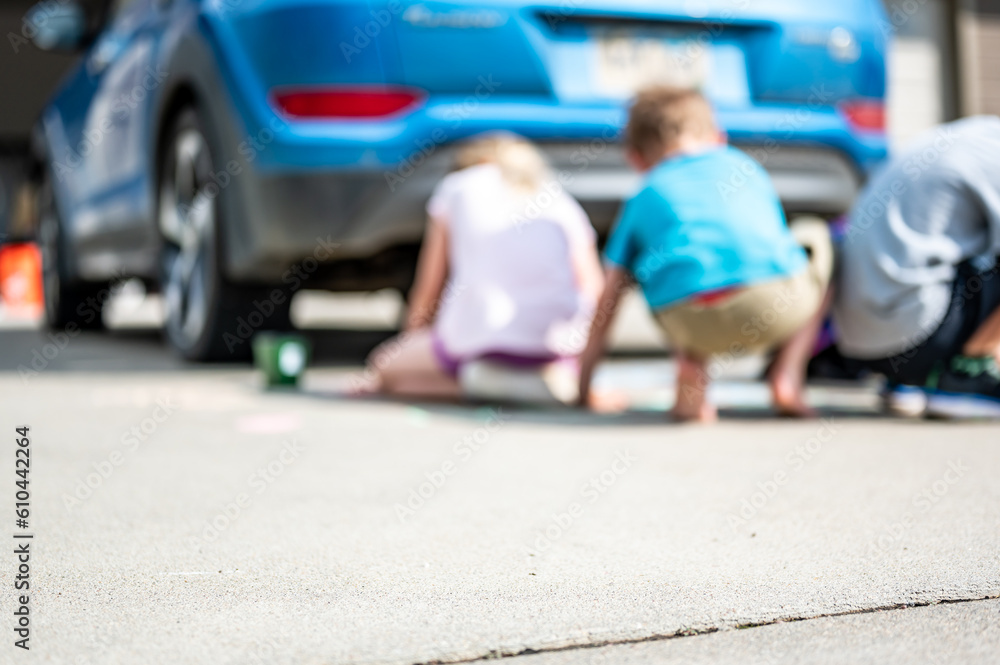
[627,64]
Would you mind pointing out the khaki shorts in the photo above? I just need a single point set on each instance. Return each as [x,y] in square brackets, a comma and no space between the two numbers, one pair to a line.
[759,317]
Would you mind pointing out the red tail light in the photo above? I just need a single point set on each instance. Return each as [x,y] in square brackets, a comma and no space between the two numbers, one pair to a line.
[354,102]
[865,114]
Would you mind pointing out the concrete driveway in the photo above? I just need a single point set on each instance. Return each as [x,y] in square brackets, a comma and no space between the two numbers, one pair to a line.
[182,514]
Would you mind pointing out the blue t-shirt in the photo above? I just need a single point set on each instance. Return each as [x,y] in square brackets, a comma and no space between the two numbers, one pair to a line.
[703,222]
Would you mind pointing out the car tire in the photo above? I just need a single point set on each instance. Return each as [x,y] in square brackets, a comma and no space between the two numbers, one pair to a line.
[207,318]
[68,303]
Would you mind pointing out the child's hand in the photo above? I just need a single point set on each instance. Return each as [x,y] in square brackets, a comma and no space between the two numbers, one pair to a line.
[617,282]
[607,401]
[583,398]
[416,323]
[588,364]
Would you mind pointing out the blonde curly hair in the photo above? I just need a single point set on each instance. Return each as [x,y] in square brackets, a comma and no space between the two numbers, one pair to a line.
[522,164]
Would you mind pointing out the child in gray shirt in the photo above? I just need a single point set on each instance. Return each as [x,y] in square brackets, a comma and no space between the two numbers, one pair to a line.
[918,297]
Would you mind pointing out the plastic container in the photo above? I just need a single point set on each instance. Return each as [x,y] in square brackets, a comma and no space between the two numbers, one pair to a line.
[281,357]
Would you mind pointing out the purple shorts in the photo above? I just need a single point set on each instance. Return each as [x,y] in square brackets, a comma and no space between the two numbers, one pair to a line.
[451,363]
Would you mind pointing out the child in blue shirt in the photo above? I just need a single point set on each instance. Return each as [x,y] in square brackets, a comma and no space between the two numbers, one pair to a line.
[706,240]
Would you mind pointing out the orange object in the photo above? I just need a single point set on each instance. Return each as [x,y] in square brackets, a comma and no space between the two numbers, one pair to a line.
[21,279]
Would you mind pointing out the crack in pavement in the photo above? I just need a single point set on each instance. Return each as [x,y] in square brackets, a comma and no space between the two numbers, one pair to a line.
[498,654]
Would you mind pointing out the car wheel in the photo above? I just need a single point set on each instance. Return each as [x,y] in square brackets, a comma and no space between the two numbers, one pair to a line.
[207,318]
[68,302]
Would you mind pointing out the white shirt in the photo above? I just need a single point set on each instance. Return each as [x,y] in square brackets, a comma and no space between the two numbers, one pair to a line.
[511,286]
[935,205]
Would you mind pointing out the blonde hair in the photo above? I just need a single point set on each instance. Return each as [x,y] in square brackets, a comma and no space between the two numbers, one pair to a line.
[522,164]
[661,115]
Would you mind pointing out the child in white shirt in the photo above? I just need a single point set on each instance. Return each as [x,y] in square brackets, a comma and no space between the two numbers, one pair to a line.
[508,273]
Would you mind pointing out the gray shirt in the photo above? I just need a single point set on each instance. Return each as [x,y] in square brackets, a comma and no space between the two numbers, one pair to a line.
[936,204]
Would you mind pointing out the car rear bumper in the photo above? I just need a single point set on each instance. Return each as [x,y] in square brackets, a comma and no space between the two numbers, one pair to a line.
[809,179]
[368,214]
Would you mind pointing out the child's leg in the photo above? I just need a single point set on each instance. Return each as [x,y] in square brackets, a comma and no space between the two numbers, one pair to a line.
[692,391]
[787,377]
[788,373]
[687,327]
[407,366]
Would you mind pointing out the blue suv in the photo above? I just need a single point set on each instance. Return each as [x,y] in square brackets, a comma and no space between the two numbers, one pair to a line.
[228,152]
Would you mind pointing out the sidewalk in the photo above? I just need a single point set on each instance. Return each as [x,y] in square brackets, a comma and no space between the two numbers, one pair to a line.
[948,634]
[252,527]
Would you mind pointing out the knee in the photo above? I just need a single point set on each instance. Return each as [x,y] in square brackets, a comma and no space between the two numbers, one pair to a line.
[380,360]
[371,362]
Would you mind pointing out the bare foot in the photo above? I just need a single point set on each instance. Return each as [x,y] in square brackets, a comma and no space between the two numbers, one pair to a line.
[362,385]
[706,414]
[788,374]
[788,394]
[692,403]
[607,401]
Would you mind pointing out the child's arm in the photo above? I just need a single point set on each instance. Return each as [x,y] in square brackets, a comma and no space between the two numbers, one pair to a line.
[432,273]
[585,260]
[587,272]
[617,281]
